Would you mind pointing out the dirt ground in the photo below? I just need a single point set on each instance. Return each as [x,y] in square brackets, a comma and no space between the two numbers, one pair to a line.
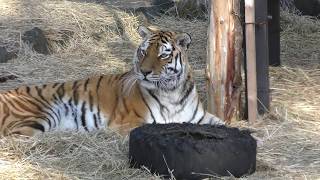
[99,39]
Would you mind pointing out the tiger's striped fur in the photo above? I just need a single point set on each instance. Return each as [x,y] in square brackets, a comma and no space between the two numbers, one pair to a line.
[158,89]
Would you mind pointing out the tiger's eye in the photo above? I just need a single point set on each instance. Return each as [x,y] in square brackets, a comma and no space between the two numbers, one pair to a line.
[143,52]
[165,56]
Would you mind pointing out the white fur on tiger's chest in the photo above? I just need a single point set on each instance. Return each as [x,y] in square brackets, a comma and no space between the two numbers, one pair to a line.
[166,108]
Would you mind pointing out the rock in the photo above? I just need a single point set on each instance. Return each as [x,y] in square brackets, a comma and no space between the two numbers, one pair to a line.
[309,7]
[5,78]
[5,55]
[35,37]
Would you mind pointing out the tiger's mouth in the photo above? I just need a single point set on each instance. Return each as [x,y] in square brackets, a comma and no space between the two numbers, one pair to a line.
[151,78]
[163,81]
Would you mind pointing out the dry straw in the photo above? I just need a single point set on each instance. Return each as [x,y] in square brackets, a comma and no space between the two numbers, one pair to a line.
[89,38]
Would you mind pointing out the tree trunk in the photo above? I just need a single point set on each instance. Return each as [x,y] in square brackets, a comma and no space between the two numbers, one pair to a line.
[224,58]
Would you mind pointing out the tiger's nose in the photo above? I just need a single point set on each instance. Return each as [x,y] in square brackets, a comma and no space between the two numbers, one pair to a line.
[145,72]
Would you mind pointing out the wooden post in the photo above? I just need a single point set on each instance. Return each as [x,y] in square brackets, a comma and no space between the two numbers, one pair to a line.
[224,58]
[262,55]
[251,59]
[274,32]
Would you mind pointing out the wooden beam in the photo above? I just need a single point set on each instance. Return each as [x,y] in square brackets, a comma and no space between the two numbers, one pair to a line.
[262,55]
[251,59]
[224,58]
[274,32]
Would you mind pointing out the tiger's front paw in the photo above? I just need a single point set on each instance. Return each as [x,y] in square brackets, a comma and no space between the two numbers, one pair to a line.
[212,119]
[216,121]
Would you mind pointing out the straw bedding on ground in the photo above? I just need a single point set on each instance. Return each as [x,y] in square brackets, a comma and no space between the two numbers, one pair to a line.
[89,38]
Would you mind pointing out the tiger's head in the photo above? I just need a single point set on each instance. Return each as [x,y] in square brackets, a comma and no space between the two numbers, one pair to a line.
[160,61]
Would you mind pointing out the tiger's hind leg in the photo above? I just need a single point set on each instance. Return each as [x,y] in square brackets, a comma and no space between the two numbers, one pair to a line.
[26,128]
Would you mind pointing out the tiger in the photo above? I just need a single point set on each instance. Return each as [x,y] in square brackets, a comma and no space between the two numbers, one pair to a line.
[159,88]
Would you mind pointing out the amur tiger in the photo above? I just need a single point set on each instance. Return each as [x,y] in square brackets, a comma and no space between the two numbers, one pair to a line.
[158,89]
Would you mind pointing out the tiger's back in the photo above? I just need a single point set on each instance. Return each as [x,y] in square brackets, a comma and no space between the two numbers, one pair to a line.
[83,105]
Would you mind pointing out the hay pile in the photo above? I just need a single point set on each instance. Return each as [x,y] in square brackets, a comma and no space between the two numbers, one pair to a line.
[85,38]
[67,156]
[89,38]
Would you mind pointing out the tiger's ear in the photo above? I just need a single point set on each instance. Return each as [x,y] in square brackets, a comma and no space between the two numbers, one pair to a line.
[144,31]
[183,40]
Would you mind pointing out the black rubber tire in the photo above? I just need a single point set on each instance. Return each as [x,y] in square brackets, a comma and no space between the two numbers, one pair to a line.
[192,151]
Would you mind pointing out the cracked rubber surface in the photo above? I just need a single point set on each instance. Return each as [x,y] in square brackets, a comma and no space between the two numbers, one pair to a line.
[191,151]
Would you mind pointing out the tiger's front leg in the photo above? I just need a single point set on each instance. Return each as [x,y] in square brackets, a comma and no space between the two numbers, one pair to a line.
[123,125]
[211,119]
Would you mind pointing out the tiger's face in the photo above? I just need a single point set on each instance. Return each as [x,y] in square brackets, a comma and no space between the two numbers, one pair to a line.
[161,59]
